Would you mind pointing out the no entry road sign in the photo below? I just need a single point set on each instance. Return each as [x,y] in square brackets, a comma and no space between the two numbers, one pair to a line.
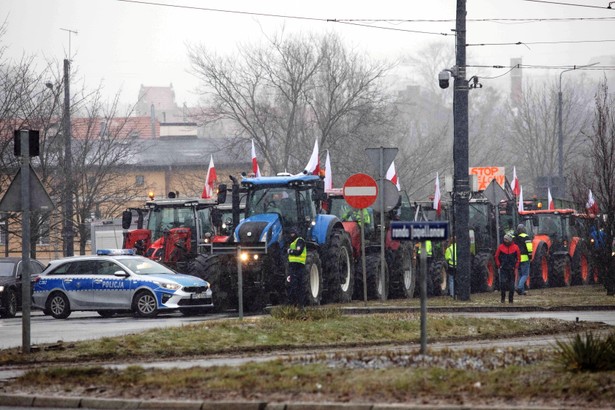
[360,190]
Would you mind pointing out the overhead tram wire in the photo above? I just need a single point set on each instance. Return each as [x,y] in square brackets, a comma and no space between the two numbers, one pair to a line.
[483,20]
[359,22]
[546,67]
[561,3]
[391,28]
[530,43]
[537,67]
[249,13]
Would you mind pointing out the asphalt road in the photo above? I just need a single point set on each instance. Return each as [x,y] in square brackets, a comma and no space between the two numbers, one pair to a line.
[86,326]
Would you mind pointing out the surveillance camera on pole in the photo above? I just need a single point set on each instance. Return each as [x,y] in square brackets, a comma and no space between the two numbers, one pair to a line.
[445,75]
[443,78]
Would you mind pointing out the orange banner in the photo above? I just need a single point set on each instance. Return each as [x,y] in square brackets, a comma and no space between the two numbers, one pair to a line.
[486,174]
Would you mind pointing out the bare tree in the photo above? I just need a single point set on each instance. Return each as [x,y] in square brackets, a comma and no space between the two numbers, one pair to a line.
[103,145]
[534,132]
[292,91]
[424,122]
[424,140]
[597,173]
[28,100]
[488,118]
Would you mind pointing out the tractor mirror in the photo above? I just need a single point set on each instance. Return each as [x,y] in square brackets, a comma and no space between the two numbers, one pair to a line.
[126,219]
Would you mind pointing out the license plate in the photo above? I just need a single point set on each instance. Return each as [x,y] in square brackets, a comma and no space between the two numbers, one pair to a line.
[198,296]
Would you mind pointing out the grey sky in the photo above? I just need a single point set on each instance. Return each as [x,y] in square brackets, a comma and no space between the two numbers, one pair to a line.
[126,44]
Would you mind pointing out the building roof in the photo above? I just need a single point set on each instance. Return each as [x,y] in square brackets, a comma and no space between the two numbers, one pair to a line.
[136,127]
[187,152]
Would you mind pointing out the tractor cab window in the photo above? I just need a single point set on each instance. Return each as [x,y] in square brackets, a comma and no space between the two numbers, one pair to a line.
[479,217]
[164,219]
[204,217]
[550,225]
[272,200]
[307,206]
[339,207]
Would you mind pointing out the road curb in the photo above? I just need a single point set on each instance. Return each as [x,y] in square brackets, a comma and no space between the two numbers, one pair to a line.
[102,403]
[472,309]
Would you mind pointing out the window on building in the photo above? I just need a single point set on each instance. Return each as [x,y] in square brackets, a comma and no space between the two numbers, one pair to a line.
[3,232]
[103,134]
[139,180]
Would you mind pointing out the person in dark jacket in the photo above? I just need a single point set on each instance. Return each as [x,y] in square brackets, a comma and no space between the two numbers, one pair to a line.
[507,258]
[297,255]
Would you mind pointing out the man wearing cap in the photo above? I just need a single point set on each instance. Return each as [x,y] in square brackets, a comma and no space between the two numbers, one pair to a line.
[524,242]
[507,258]
[297,255]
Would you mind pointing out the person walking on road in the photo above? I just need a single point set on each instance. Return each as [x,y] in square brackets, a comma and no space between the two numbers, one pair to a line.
[297,255]
[524,242]
[507,258]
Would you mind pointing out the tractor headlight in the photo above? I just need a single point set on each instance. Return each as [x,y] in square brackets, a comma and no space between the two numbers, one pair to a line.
[246,257]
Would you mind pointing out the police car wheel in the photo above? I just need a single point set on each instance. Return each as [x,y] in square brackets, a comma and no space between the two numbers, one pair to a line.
[10,308]
[58,305]
[145,305]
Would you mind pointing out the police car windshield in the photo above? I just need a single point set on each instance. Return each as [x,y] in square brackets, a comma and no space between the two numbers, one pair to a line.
[144,266]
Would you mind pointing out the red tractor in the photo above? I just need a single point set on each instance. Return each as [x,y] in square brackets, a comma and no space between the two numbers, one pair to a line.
[560,256]
[175,229]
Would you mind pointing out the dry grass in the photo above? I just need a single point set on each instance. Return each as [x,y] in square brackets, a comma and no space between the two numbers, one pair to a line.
[575,296]
[513,376]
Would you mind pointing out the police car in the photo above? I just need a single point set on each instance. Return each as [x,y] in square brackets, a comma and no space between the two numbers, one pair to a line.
[114,281]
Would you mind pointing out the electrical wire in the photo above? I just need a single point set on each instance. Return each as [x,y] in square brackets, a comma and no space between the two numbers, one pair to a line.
[538,67]
[355,22]
[498,76]
[545,67]
[484,20]
[529,43]
[560,3]
[249,13]
[393,28]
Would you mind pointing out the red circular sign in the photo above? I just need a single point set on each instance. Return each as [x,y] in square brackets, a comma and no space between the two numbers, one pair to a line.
[360,190]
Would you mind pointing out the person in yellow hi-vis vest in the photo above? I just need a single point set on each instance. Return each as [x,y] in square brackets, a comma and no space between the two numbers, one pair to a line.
[451,261]
[524,242]
[297,255]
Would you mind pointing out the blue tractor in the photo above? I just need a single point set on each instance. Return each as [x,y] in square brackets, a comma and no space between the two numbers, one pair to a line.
[274,205]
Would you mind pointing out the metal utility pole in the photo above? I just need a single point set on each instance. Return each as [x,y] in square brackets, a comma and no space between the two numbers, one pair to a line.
[461,185]
[68,161]
[25,242]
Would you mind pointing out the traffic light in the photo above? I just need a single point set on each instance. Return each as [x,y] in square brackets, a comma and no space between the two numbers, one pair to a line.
[33,138]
